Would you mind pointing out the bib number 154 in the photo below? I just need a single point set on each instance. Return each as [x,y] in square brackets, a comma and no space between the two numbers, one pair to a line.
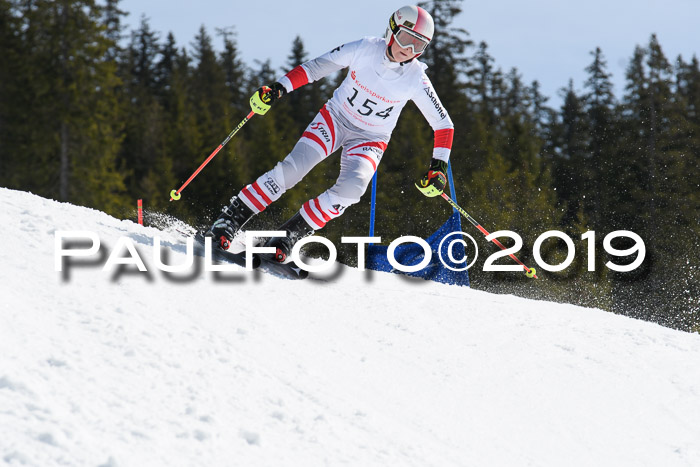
[368,107]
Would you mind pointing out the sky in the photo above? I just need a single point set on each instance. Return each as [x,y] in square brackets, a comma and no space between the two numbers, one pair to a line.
[546,40]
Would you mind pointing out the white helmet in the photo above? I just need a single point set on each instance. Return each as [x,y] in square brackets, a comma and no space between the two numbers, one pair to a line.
[410,26]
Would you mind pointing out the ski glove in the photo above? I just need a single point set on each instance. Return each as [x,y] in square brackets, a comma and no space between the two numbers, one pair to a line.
[263,98]
[434,181]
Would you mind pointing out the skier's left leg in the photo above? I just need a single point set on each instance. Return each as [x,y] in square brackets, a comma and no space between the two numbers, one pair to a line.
[357,166]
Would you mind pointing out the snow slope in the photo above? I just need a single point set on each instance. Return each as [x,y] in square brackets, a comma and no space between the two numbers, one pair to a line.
[244,369]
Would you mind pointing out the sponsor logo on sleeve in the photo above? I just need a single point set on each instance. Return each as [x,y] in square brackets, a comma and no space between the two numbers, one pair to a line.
[436,102]
[337,209]
[271,186]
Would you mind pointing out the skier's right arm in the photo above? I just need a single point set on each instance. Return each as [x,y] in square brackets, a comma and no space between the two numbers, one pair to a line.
[308,72]
[320,67]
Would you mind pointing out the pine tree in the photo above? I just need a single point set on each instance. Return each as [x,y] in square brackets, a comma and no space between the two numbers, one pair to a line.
[234,72]
[657,164]
[140,105]
[632,111]
[72,135]
[299,104]
[519,144]
[446,56]
[542,115]
[165,68]
[687,168]
[112,21]
[572,168]
[599,106]
[146,147]
[91,128]
[481,133]
[12,74]
[688,109]
[234,154]
[28,153]
[207,96]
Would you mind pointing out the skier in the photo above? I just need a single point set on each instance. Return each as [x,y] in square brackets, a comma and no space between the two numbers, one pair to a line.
[360,117]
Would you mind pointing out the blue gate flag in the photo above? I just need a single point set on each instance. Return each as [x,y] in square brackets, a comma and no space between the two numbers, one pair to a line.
[410,254]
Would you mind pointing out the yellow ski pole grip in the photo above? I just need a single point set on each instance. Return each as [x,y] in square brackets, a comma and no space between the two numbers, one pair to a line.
[261,104]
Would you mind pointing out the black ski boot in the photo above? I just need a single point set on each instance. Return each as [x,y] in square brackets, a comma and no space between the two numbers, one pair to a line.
[229,222]
[296,228]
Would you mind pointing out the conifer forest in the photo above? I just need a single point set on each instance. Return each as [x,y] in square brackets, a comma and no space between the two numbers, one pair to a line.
[98,115]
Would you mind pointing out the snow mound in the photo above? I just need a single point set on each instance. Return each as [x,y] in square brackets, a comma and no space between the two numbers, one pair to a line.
[366,369]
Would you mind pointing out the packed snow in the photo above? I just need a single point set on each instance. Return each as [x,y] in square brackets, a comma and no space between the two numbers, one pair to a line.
[129,368]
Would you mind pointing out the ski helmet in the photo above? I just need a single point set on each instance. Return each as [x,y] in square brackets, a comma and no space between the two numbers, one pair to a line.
[410,26]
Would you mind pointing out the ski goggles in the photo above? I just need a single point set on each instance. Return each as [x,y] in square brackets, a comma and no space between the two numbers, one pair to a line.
[415,41]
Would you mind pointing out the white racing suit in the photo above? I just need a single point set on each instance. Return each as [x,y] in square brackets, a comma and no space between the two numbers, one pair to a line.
[359,118]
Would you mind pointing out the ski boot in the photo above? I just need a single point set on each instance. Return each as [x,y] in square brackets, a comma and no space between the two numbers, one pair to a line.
[229,222]
[296,228]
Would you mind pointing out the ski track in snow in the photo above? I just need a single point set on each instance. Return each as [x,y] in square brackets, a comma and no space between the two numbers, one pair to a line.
[135,369]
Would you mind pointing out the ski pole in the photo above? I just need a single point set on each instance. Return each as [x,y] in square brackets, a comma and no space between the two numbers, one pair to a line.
[175,194]
[529,272]
[260,103]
